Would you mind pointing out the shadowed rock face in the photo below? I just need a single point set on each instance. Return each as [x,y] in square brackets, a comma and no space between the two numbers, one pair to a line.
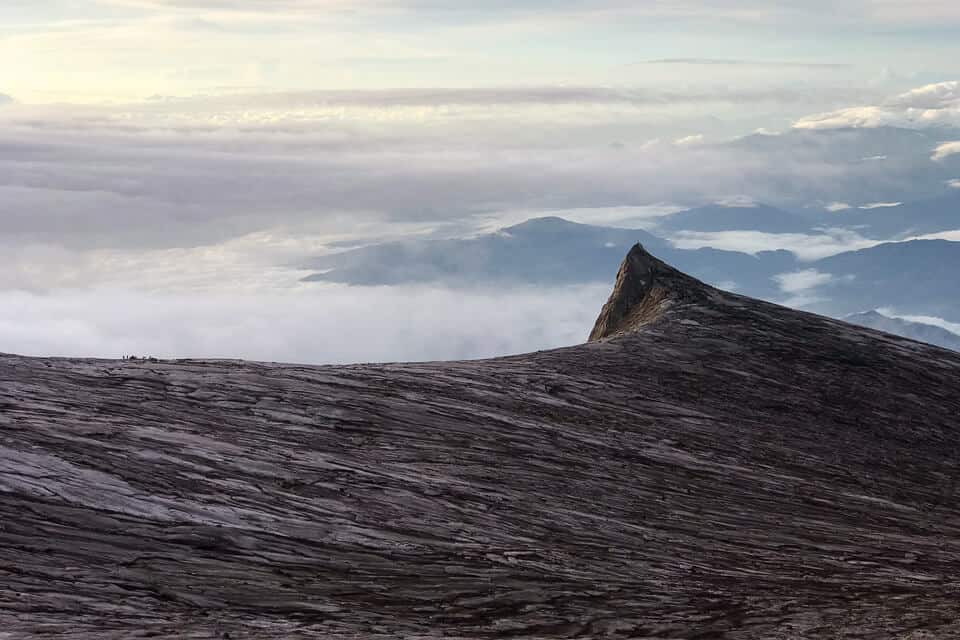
[714,468]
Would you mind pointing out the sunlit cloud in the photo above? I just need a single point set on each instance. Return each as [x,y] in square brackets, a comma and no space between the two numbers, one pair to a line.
[929,106]
[946,150]
[834,207]
[798,281]
[800,286]
[688,141]
[880,205]
[953,327]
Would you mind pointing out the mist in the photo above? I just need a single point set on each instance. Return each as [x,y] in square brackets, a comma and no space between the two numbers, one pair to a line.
[328,326]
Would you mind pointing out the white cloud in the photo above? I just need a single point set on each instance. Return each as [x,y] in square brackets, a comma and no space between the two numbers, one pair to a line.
[954,184]
[943,95]
[952,236]
[928,106]
[196,173]
[800,281]
[866,117]
[800,286]
[885,12]
[320,325]
[946,150]
[835,207]
[727,285]
[802,300]
[690,140]
[739,201]
[880,205]
[953,327]
[806,247]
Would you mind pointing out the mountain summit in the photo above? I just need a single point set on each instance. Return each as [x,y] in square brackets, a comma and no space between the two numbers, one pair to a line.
[710,466]
[646,287]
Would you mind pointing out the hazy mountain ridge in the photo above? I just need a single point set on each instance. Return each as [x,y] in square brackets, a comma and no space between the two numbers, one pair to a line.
[917,276]
[923,332]
[543,251]
[758,217]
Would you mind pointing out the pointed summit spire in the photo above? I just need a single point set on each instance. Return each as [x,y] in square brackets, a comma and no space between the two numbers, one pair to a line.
[646,287]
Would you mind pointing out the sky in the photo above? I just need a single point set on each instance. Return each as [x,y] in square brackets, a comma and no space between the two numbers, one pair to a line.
[109,50]
[166,166]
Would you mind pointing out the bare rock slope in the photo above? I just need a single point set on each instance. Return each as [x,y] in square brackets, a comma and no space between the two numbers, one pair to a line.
[709,467]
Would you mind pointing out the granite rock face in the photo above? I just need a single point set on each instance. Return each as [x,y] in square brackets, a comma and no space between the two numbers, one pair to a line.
[645,288]
[709,467]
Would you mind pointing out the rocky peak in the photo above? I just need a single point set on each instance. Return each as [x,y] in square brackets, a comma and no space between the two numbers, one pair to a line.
[646,287]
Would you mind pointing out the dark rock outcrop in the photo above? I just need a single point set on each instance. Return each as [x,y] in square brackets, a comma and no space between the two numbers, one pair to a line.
[645,289]
[712,467]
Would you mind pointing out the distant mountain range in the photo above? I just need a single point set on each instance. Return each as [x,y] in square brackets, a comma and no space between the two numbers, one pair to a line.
[722,218]
[919,274]
[922,332]
[902,220]
[877,221]
[541,251]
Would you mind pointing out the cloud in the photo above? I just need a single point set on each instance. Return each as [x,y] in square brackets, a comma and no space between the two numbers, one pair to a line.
[880,205]
[687,141]
[928,106]
[737,202]
[205,171]
[800,286]
[332,325]
[813,12]
[434,97]
[953,327]
[943,95]
[508,96]
[723,62]
[952,236]
[954,184]
[800,281]
[835,207]
[5,99]
[946,150]
[807,247]
[855,117]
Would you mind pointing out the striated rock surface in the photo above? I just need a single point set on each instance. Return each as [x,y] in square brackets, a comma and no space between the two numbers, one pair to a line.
[710,467]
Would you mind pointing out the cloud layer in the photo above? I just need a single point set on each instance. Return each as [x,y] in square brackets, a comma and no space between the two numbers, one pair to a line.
[946,150]
[103,208]
[933,105]
[321,326]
